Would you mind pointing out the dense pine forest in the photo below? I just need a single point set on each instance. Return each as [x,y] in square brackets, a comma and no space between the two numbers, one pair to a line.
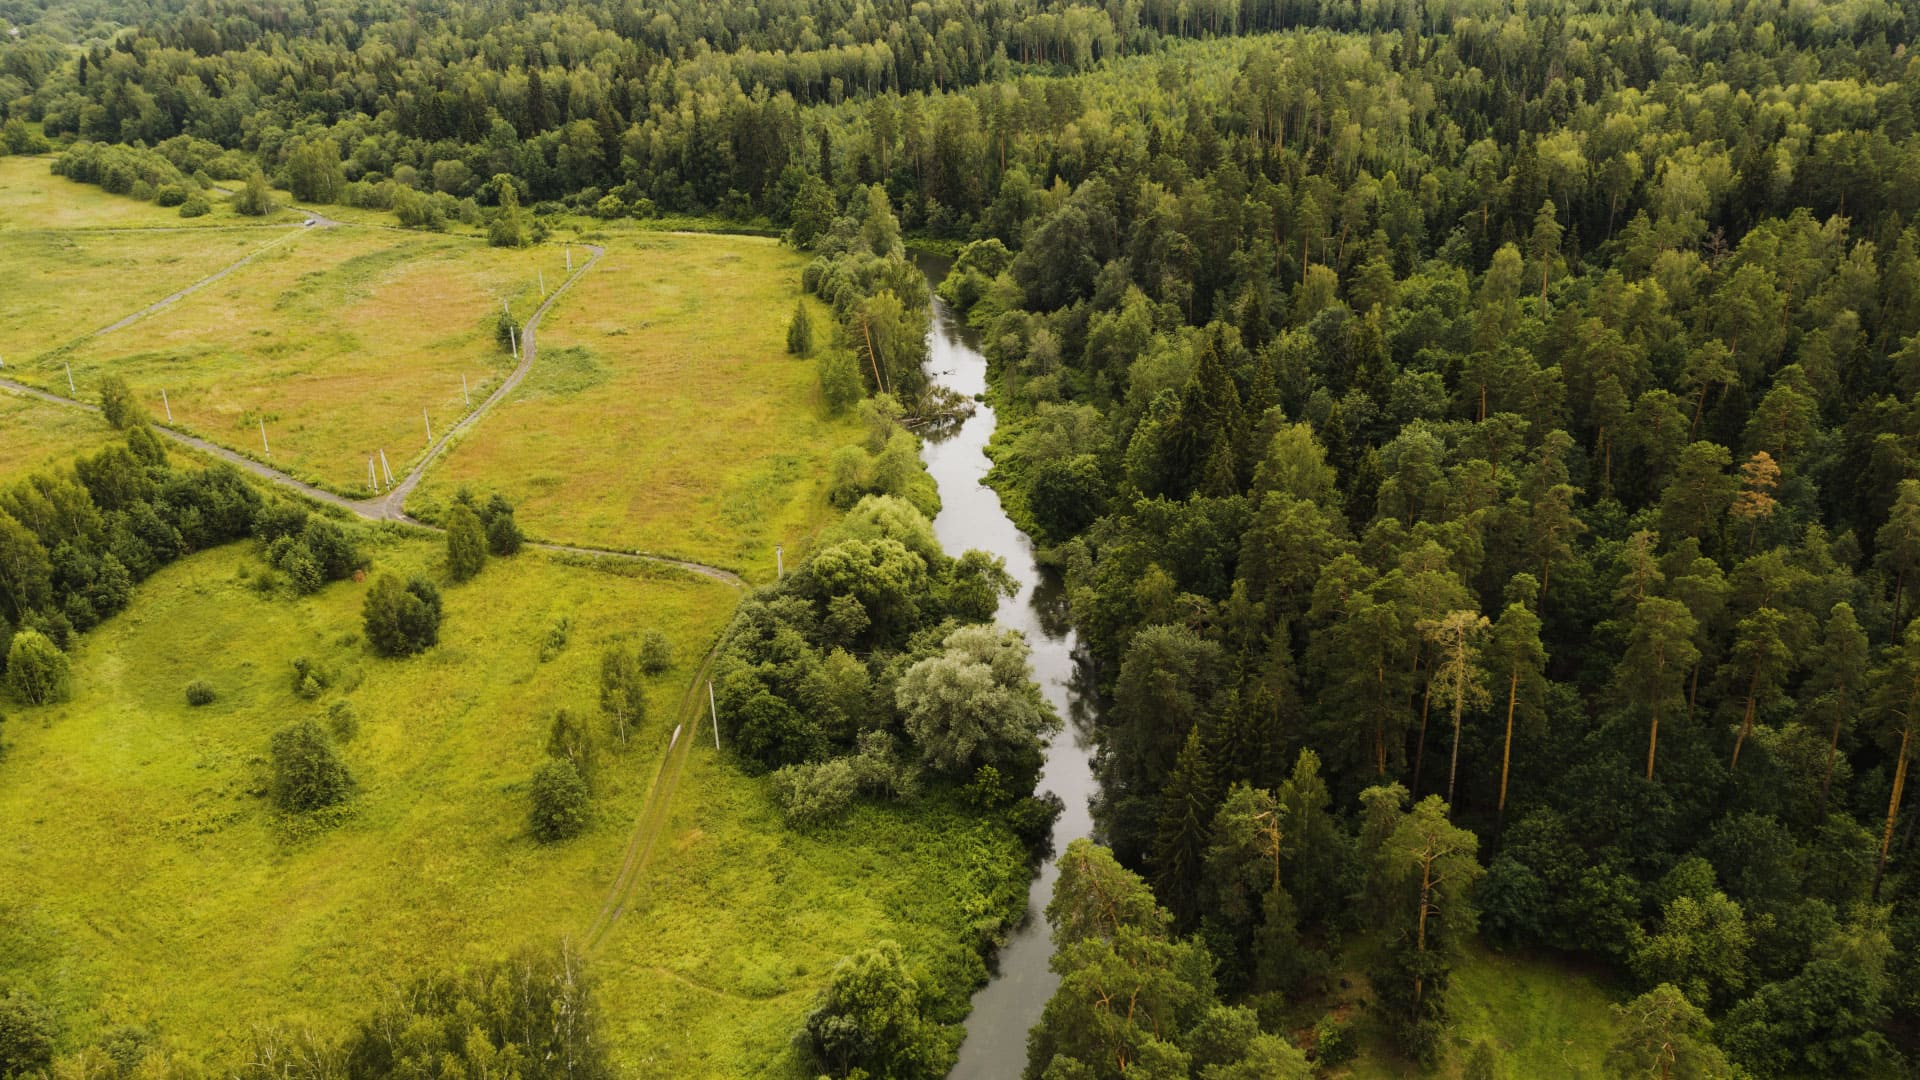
[1478,440]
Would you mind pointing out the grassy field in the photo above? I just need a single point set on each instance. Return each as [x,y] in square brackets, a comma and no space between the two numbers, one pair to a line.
[32,197]
[663,413]
[75,282]
[339,340]
[35,435]
[146,881]
[1541,1016]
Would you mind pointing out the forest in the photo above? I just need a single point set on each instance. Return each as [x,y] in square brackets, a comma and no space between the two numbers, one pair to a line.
[1478,441]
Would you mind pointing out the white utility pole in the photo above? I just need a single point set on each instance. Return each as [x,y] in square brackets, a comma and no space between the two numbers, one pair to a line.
[779,563]
[263,437]
[463,390]
[543,284]
[569,258]
[429,420]
[168,405]
[384,467]
[714,711]
[515,339]
[373,478]
[70,388]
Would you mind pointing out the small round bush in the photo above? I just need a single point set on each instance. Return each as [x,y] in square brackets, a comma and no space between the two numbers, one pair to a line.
[656,653]
[307,773]
[199,693]
[37,670]
[195,205]
[171,195]
[344,721]
[559,801]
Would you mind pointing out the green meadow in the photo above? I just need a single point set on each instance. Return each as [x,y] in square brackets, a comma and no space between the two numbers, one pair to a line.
[37,435]
[663,413]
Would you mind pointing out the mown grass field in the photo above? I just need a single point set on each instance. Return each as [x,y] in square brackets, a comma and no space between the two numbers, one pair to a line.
[35,435]
[663,413]
[32,197]
[68,284]
[339,339]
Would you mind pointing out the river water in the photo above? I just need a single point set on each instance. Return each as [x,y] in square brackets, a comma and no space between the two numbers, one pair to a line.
[970,517]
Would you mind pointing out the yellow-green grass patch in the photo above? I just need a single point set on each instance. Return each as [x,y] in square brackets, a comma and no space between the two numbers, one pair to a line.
[63,286]
[32,197]
[663,412]
[343,341]
[724,952]
[144,878]
[36,435]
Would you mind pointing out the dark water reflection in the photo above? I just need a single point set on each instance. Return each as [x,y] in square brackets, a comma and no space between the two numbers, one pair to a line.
[971,517]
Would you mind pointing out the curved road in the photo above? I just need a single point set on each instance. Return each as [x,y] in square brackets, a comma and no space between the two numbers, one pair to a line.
[391,505]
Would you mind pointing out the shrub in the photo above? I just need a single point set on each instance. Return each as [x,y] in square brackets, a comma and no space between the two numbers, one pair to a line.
[344,721]
[1333,1044]
[171,195]
[622,696]
[800,332]
[815,793]
[402,619]
[466,543]
[840,383]
[196,205]
[200,693]
[307,773]
[117,403]
[26,1036]
[555,638]
[255,198]
[560,806]
[503,533]
[656,653]
[310,680]
[37,671]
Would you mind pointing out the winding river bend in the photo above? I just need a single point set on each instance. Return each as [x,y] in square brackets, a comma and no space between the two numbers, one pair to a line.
[970,517]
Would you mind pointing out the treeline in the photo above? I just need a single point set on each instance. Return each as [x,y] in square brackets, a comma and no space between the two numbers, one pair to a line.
[1590,510]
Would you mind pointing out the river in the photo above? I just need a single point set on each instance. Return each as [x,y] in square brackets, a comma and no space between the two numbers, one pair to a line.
[970,517]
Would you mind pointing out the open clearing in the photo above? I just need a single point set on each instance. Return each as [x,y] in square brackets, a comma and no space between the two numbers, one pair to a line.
[35,435]
[145,881]
[1542,1017]
[342,341]
[664,413]
[143,876]
[32,197]
[75,282]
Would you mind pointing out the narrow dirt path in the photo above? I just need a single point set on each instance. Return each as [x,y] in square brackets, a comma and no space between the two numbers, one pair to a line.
[658,808]
[157,305]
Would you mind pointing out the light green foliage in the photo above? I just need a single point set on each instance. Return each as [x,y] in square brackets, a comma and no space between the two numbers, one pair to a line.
[37,671]
[869,1023]
[401,619]
[974,704]
[1664,1035]
[255,198]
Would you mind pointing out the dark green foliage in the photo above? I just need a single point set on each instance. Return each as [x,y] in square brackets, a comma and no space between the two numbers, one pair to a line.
[569,740]
[36,670]
[800,332]
[200,692]
[401,619]
[535,1010]
[307,772]
[561,805]
[466,543]
[26,1036]
[503,533]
